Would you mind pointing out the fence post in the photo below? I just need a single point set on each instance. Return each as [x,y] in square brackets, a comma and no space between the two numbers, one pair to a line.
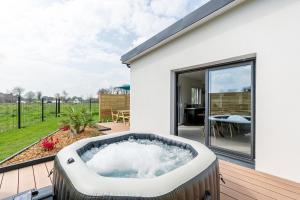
[91,105]
[42,101]
[19,111]
[58,107]
[55,107]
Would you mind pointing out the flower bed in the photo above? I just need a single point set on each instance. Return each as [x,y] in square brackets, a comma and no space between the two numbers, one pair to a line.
[45,148]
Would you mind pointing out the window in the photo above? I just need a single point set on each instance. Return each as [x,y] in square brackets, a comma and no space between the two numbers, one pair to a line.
[230,108]
[196,96]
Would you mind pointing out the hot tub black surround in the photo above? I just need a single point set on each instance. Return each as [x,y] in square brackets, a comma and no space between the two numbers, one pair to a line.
[197,179]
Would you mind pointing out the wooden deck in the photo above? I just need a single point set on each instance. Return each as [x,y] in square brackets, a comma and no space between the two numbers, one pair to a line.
[240,183]
[247,184]
[26,178]
[115,127]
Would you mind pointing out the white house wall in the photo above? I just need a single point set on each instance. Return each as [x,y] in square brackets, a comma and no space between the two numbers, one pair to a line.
[268,28]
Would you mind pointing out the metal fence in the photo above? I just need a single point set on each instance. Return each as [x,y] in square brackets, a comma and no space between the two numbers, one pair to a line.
[8,115]
[19,113]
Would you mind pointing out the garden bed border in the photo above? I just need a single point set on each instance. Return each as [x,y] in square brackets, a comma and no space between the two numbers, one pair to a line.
[26,163]
[33,161]
[29,162]
[27,147]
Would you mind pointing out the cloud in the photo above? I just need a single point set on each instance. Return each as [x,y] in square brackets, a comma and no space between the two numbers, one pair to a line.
[75,45]
[230,80]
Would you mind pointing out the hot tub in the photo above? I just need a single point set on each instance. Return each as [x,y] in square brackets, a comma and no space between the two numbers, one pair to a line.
[79,175]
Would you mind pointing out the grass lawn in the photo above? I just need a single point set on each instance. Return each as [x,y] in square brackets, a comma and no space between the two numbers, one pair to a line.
[12,139]
[31,113]
[16,139]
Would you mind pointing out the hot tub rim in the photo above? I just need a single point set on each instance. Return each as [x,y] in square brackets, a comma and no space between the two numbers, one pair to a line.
[159,185]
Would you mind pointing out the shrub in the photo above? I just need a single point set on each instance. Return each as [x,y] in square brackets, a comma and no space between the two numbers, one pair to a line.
[77,120]
[49,143]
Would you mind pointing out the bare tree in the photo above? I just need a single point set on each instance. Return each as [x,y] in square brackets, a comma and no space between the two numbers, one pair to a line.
[103,91]
[39,95]
[30,96]
[57,95]
[18,90]
[64,95]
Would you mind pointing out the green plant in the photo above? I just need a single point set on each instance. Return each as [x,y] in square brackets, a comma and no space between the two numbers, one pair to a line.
[78,120]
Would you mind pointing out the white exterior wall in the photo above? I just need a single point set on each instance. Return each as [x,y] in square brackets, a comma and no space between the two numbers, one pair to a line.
[271,29]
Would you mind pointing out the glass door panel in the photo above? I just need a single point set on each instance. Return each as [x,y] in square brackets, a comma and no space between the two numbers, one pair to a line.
[191,105]
[230,108]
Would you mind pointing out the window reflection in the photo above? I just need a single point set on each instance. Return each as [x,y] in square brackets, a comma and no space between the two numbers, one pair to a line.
[230,108]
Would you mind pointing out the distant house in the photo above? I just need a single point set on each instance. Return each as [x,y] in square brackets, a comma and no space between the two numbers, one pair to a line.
[226,75]
[7,98]
[49,99]
[76,101]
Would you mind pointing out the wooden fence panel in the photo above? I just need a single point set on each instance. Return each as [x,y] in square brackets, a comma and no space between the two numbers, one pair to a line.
[108,102]
[231,103]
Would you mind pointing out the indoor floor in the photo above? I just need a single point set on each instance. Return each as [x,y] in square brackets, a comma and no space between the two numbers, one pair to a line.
[240,143]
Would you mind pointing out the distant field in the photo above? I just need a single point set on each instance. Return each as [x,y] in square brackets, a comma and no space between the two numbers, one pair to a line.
[31,113]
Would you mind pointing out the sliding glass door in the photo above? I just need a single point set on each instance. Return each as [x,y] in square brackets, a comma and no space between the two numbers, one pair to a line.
[215,106]
[230,109]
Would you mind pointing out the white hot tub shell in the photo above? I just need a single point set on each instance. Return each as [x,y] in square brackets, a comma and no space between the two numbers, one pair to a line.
[197,179]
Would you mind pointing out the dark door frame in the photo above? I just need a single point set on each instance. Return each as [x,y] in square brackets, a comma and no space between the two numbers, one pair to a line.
[220,151]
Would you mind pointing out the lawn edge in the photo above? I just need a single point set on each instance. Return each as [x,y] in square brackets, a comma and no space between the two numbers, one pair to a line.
[25,148]
[34,161]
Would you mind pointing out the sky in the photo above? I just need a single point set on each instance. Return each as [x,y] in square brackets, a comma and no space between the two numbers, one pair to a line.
[76,45]
[234,79]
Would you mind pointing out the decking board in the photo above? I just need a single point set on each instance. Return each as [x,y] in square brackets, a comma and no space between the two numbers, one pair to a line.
[253,186]
[226,197]
[290,191]
[1,178]
[26,179]
[41,175]
[246,191]
[49,166]
[235,194]
[10,184]
[260,174]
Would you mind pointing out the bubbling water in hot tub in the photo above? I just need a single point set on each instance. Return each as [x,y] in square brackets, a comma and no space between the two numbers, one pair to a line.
[136,158]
